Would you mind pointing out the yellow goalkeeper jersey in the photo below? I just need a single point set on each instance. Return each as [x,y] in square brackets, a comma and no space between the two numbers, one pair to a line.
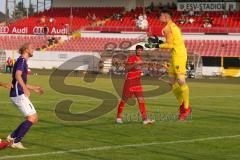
[174,40]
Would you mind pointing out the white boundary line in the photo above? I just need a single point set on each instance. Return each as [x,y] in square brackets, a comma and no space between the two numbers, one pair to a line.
[118,147]
[90,100]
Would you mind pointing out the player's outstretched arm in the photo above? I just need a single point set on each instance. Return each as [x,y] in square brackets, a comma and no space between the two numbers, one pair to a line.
[36,89]
[166,45]
[6,85]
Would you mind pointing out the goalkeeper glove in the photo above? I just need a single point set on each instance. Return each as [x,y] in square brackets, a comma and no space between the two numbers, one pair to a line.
[160,42]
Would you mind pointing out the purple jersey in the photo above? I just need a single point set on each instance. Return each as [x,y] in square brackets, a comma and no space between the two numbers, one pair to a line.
[21,65]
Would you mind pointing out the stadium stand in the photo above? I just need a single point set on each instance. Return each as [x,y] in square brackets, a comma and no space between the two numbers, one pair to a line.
[226,48]
[61,17]
[62,20]
[90,44]
[89,18]
[128,22]
[14,42]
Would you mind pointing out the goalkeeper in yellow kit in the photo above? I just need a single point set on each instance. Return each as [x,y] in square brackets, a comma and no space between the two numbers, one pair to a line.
[177,69]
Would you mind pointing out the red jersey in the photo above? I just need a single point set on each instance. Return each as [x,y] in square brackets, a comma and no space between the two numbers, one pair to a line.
[136,71]
[9,62]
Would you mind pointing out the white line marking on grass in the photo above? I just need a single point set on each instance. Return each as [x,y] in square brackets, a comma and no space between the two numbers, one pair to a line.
[90,100]
[118,147]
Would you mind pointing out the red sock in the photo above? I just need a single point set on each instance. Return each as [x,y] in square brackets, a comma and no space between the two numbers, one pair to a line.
[142,109]
[120,108]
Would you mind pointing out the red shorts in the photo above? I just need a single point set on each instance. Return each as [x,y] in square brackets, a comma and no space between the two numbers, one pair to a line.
[132,87]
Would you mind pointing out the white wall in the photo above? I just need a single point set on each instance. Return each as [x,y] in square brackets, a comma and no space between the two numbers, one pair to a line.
[211,71]
[50,60]
[187,36]
[211,37]
[113,35]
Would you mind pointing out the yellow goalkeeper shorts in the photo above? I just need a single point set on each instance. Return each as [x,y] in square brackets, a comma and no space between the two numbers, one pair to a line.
[177,66]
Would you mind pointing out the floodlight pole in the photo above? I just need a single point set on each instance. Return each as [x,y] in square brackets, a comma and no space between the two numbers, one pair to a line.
[37,6]
[71,20]
[22,5]
[6,13]
[27,12]
[44,4]
[144,12]
[14,11]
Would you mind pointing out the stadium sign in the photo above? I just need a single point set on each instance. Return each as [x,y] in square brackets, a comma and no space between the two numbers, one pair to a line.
[206,6]
[37,30]
[40,30]
[58,31]
[16,30]
[4,29]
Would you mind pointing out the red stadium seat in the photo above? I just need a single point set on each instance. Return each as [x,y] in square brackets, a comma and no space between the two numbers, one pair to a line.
[14,42]
[90,44]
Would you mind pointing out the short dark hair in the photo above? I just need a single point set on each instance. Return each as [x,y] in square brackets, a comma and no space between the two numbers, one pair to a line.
[167,11]
[139,47]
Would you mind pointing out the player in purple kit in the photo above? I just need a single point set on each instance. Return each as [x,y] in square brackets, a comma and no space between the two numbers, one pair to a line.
[20,93]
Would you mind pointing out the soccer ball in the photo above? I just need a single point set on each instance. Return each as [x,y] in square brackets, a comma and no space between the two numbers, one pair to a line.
[29,71]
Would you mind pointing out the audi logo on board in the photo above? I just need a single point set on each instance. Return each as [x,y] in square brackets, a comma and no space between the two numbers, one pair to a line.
[4,29]
[40,30]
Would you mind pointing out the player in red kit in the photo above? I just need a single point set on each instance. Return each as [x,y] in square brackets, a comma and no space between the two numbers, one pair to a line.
[132,86]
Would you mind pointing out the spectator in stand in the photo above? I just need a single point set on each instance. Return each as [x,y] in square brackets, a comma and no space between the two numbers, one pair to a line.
[118,16]
[225,16]
[207,25]
[94,17]
[51,20]
[185,12]
[9,65]
[151,7]
[181,20]
[160,6]
[144,16]
[91,17]
[139,20]
[191,12]
[189,20]
[208,19]
[143,22]
[140,17]
[43,20]
[135,18]
[88,16]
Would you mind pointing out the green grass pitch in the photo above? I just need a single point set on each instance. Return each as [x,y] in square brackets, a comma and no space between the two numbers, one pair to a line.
[212,133]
